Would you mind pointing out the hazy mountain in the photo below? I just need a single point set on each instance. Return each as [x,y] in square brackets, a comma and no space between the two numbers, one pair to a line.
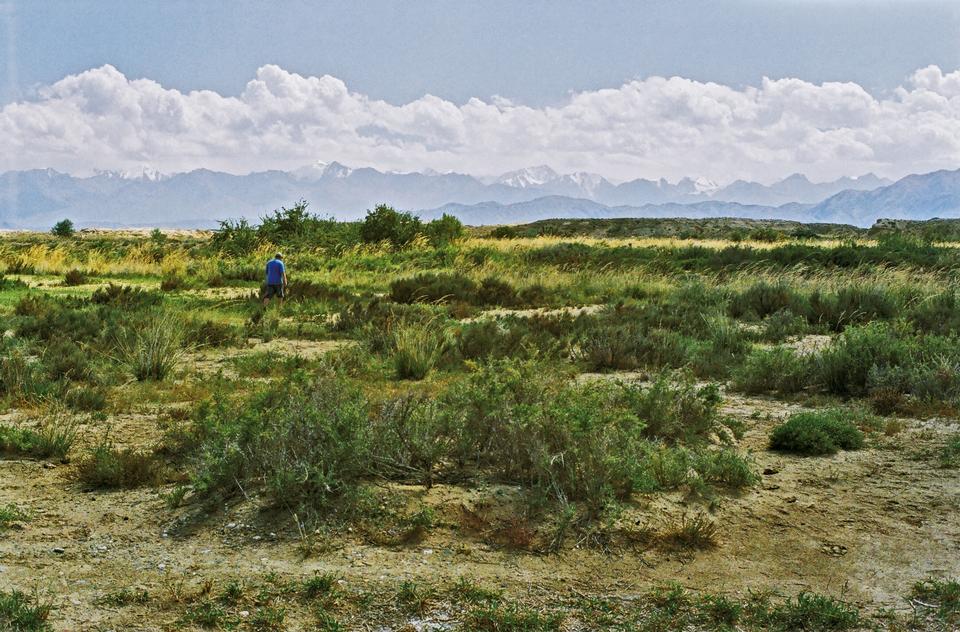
[795,188]
[922,196]
[38,198]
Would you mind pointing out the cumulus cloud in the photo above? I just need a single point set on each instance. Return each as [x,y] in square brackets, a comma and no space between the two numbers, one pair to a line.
[654,127]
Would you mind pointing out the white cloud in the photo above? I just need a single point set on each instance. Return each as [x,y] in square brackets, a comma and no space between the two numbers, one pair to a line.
[671,127]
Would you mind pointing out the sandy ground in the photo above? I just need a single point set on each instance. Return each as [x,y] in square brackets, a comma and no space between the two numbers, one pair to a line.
[863,525]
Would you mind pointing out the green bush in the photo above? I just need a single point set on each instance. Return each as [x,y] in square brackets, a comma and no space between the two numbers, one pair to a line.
[444,230]
[109,467]
[775,370]
[433,288]
[53,438]
[384,223]
[304,443]
[674,411]
[816,433]
[724,467]
[844,368]
[86,398]
[63,228]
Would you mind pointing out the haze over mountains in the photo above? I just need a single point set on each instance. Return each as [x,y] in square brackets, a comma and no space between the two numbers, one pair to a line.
[37,198]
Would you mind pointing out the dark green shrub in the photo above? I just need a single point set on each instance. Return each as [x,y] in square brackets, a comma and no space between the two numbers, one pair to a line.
[63,228]
[384,223]
[74,277]
[211,333]
[430,288]
[444,230]
[125,296]
[172,282]
[724,467]
[816,433]
[65,360]
[504,232]
[763,299]
[53,438]
[86,398]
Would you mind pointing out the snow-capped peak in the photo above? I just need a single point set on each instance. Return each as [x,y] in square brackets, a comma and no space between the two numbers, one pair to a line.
[528,177]
[143,173]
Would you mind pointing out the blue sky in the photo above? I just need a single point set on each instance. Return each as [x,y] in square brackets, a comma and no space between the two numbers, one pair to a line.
[532,51]
[752,89]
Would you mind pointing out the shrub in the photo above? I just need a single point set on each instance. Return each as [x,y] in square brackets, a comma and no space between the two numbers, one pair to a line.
[304,442]
[125,296]
[109,467]
[417,347]
[844,368]
[698,532]
[816,433]
[53,438]
[152,351]
[74,277]
[65,360]
[20,612]
[504,232]
[763,299]
[943,595]
[410,437]
[950,453]
[724,467]
[20,374]
[211,333]
[429,288]
[63,228]
[384,223]
[775,370]
[674,411]
[444,230]
[172,282]
[86,398]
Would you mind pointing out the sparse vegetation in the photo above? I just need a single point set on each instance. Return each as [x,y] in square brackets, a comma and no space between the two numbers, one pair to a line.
[439,393]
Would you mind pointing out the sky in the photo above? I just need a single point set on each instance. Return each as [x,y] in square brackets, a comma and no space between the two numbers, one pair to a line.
[738,89]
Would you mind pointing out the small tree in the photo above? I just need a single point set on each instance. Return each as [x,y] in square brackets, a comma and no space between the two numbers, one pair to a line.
[386,224]
[63,228]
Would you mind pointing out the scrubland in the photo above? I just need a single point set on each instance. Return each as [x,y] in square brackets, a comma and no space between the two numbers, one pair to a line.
[551,427]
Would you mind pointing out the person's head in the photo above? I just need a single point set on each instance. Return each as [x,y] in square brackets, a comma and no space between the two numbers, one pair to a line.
[278,256]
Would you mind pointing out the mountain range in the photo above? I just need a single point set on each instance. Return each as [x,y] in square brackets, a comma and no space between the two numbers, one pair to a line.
[200,198]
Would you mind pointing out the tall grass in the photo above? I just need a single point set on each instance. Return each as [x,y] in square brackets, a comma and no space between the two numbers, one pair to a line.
[417,348]
[152,351]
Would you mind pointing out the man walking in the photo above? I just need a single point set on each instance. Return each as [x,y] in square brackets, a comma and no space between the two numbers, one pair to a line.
[276,279]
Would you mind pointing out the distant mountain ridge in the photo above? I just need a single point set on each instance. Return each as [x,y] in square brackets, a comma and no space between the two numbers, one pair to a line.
[37,198]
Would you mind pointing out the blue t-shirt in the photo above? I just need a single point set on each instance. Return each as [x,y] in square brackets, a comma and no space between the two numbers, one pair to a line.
[275,270]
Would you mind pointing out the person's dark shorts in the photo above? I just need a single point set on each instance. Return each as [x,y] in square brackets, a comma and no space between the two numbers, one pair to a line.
[273,290]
